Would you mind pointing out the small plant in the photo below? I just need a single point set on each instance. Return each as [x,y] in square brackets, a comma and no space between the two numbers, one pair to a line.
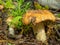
[18,12]
[7,4]
[58,15]
[38,6]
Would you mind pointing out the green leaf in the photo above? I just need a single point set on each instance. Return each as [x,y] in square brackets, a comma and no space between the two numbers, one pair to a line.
[46,7]
[1,2]
[9,44]
[16,19]
[9,4]
[58,15]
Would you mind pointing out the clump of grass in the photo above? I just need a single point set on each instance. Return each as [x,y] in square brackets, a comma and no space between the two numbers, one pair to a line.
[18,12]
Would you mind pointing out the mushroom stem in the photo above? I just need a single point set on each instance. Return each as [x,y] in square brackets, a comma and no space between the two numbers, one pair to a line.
[39,29]
[11,31]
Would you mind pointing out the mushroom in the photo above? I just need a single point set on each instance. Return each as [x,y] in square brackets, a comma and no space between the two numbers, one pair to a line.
[11,27]
[38,18]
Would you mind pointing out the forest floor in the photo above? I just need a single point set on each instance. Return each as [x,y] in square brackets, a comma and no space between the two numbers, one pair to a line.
[29,39]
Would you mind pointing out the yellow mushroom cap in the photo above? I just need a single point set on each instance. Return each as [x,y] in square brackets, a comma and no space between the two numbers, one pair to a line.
[1,7]
[39,15]
[9,19]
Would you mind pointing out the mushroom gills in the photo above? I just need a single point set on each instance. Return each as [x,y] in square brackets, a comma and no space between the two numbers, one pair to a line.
[40,30]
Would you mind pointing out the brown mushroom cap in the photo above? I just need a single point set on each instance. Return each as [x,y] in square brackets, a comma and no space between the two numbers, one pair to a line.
[38,15]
